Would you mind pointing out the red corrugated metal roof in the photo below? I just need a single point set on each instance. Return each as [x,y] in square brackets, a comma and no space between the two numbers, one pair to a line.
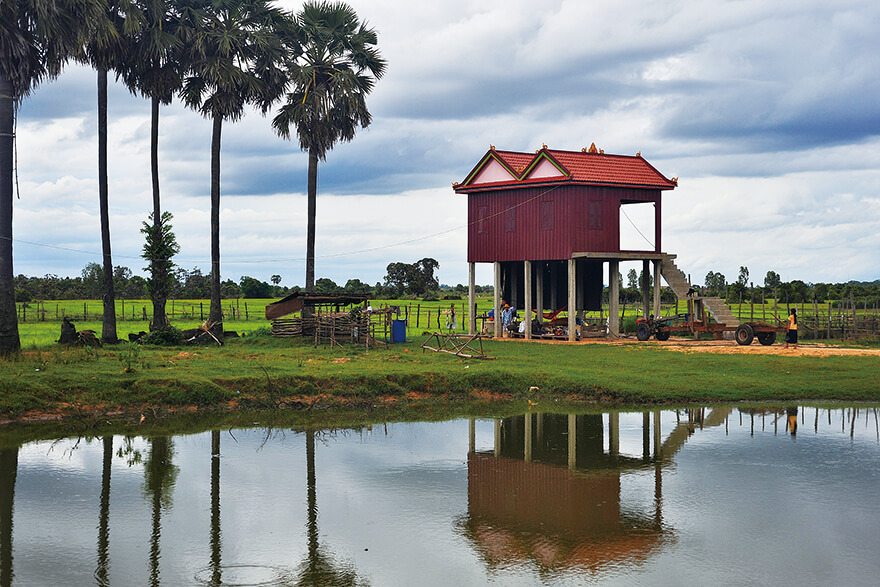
[595,168]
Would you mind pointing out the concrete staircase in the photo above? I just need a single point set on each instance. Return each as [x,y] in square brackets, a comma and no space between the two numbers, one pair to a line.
[679,284]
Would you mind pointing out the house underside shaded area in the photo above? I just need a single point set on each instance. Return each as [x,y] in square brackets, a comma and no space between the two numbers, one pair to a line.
[558,292]
[550,284]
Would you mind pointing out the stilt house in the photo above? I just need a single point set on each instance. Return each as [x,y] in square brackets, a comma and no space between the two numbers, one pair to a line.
[548,221]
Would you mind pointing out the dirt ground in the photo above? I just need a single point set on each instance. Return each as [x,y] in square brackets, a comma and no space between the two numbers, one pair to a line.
[687,345]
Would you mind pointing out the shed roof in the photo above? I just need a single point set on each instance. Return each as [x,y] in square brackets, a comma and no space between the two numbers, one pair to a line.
[511,169]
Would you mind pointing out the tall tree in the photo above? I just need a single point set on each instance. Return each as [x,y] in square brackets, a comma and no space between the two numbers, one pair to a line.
[36,39]
[338,67]
[105,50]
[236,58]
[153,68]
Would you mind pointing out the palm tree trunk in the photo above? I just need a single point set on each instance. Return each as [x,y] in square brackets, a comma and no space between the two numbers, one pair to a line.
[312,209]
[216,313]
[9,341]
[108,327]
[159,294]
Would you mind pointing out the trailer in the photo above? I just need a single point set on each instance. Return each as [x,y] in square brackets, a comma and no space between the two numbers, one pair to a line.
[695,321]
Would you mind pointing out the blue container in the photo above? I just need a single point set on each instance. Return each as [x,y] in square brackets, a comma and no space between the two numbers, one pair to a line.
[398,331]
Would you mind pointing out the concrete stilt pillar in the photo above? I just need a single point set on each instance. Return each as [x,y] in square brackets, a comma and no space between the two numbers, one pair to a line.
[497,299]
[472,299]
[657,287]
[572,298]
[572,441]
[614,297]
[497,447]
[472,435]
[539,291]
[527,314]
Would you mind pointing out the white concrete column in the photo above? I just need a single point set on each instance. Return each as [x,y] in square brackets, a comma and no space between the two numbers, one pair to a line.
[572,298]
[497,299]
[572,441]
[527,315]
[472,299]
[539,291]
[472,435]
[657,287]
[614,297]
[497,446]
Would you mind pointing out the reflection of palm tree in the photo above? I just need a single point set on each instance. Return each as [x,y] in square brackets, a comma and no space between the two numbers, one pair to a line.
[101,574]
[215,509]
[159,477]
[319,568]
[8,472]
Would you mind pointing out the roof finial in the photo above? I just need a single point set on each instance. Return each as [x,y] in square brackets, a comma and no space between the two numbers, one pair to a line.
[639,154]
[593,148]
[543,145]
[675,180]
[491,147]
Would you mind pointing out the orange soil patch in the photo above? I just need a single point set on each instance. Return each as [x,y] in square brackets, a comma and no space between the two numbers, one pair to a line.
[729,347]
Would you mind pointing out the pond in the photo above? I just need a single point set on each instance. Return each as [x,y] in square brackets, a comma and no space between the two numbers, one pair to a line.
[715,495]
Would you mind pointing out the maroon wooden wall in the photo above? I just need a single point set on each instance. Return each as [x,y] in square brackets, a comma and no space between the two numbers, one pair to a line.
[541,223]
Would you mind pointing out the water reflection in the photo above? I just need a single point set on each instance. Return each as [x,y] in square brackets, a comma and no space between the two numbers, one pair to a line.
[549,490]
[530,498]
[8,473]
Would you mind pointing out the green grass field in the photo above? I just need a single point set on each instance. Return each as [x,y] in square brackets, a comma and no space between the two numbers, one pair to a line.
[39,323]
[261,372]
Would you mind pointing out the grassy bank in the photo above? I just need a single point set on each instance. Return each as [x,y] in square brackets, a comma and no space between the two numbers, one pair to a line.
[265,373]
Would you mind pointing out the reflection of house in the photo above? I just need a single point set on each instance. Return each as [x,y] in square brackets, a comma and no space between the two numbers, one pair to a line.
[550,493]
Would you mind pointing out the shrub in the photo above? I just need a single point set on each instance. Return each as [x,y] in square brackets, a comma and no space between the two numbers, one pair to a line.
[169,336]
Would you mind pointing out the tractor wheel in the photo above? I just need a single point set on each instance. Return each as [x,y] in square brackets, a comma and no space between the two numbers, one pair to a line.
[643,333]
[744,334]
[662,335]
[766,338]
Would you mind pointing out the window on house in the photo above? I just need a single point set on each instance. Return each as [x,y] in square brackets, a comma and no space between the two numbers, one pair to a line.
[547,215]
[510,220]
[594,221]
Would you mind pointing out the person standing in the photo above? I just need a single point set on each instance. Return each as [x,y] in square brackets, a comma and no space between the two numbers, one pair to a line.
[791,331]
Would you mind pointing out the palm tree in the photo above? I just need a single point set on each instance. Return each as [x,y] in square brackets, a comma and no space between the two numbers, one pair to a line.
[154,69]
[105,50]
[236,59]
[36,39]
[338,68]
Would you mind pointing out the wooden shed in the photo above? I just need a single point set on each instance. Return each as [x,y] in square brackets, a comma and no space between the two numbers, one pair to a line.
[549,220]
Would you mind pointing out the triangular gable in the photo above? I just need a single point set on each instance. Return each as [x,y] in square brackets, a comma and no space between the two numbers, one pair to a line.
[491,168]
[491,172]
[545,166]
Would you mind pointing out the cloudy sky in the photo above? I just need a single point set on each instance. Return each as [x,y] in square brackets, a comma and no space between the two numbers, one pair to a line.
[767,112]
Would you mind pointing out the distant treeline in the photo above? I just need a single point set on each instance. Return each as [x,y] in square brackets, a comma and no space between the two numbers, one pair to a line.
[415,281]
[195,285]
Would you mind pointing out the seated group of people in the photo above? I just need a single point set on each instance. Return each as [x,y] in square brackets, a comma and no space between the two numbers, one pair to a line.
[510,321]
